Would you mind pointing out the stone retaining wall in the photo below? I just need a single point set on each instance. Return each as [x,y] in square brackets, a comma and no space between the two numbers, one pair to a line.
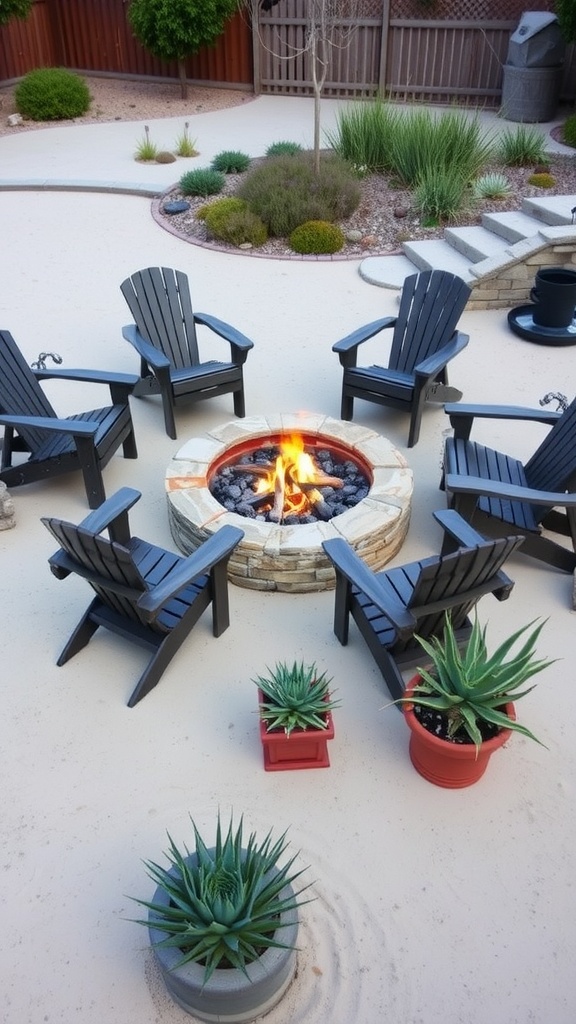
[505,280]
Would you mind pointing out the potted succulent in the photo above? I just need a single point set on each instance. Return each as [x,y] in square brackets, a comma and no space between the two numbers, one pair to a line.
[461,711]
[223,924]
[295,717]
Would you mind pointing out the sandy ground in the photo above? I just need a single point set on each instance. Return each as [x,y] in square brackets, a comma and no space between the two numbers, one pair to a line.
[432,907]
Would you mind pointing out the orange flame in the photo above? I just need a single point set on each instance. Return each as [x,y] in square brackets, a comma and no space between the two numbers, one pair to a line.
[293,467]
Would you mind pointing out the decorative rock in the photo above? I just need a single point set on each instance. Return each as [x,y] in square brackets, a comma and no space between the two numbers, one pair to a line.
[353,235]
[245,245]
[165,158]
[176,206]
[368,241]
[14,120]
[400,212]
[7,519]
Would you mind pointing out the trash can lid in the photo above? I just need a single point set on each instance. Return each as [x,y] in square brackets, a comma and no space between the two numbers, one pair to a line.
[530,24]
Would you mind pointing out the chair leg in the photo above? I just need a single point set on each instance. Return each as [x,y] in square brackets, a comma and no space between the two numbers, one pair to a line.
[239,403]
[91,471]
[81,636]
[346,407]
[129,448]
[416,416]
[220,602]
[168,408]
[342,608]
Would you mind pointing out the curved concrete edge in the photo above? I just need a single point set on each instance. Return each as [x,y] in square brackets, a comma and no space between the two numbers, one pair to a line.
[63,185]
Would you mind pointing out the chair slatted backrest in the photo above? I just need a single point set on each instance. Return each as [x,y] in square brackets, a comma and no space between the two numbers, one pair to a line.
[455,582]
[552,467]
[20,391]
[431,304]
[159,300]
[105,564]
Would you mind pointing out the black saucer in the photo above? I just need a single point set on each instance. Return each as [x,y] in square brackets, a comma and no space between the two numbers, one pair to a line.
[522,323]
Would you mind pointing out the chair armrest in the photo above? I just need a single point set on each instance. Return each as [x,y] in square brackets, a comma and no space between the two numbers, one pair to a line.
[78,428]
[239,343]
[156,359]
[114,508]
[494,489]
[462,416]
[346,347]
[377,588]
[433,364]
[454,524]
[218,547]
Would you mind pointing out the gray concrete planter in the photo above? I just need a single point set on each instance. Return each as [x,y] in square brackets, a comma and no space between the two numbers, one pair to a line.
[228,997]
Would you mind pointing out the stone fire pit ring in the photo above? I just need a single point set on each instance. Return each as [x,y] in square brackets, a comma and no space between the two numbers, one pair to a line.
[291,558]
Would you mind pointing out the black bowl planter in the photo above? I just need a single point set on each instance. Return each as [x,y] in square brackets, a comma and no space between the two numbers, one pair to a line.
[228,996]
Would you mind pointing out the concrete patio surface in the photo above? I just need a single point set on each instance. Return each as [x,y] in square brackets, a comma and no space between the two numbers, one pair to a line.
[432,906]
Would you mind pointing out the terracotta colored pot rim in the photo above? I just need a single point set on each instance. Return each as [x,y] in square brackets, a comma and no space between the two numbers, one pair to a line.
[449,749]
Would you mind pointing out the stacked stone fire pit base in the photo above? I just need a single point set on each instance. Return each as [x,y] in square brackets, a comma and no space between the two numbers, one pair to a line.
[291,558]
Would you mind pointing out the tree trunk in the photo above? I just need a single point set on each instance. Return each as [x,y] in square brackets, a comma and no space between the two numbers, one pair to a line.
[182,78]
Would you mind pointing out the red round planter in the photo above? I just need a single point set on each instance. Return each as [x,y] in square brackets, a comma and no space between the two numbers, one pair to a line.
[450,765]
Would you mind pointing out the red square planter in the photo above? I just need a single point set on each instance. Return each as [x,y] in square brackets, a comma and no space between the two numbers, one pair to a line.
[303,748]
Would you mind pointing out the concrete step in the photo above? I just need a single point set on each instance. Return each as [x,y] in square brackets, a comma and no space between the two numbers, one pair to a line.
[437,254]
[386,271]
[475,243]
[512,225]
[550,209]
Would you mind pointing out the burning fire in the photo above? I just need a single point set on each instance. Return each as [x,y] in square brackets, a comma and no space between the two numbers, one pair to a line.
[289,486]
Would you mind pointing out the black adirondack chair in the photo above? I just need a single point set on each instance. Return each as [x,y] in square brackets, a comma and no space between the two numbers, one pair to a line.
[501,495]
[390,607]
[86,441]
[424,341]
[143,593]
[164,335]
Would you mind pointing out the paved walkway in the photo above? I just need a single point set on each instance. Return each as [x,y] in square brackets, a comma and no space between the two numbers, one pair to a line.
[432,906]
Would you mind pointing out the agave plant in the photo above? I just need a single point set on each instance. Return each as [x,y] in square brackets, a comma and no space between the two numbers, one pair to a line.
[470,687]
[295,697]
[225,902]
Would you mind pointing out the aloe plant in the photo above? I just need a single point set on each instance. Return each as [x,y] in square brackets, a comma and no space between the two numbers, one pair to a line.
[295,697]
[224,903]
[469,686]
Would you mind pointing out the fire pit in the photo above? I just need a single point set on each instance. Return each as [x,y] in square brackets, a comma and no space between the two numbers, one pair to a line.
[290,482]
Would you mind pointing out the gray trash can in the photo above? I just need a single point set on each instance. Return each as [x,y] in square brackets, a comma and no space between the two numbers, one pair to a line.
[533,71]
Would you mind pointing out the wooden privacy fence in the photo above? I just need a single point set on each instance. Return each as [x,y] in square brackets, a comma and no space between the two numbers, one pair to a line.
[417,50]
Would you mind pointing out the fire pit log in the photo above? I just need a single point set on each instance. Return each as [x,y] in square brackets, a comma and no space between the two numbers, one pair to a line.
[264,469]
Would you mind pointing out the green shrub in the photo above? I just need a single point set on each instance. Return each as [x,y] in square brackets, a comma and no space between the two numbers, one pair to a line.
[202,182]
[491,186]
[230,162]
[186,146]
[285,191]
[146,149]
[569,131]
[52,94]
[543,180]
[316,236]
[363,134]
[230,220]
[521,146]
[453,143]
[440,194]
[283,149]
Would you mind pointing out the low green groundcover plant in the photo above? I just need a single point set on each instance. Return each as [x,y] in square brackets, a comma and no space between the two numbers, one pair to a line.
[52,94]
[491,186]
[224,907]
[230,220]
[316,237]
[542,180]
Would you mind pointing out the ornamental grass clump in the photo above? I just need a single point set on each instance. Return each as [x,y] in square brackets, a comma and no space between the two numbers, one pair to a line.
[440,194]
[231,161]
[492,186]
[185,145]
[294,697]
[224,903]
[202,182]
[521,146]
[470,687]
[284,148]
[364,133]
